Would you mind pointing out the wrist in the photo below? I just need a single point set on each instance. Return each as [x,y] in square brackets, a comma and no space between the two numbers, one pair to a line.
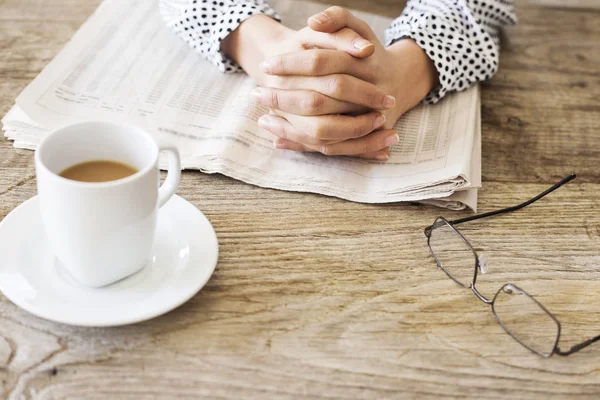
[253,41]
[416,78]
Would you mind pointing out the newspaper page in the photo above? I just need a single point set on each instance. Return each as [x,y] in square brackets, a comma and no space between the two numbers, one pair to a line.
[124,64]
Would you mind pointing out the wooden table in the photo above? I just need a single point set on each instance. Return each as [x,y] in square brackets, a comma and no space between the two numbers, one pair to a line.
[316,297]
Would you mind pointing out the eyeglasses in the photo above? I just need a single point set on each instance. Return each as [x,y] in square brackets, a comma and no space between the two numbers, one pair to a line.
[523,317]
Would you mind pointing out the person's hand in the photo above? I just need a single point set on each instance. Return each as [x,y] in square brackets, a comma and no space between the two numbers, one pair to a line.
[319,98]
[402,70]
[261,37]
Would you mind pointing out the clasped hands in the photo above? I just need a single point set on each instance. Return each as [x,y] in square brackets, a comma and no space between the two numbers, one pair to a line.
[331,87]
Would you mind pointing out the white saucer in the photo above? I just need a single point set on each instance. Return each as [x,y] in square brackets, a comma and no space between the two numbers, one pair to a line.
[185,257]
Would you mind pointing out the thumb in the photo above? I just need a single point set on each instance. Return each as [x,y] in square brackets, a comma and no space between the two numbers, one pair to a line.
[336,18]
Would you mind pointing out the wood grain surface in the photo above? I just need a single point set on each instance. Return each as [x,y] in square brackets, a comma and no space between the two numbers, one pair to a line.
[320,298]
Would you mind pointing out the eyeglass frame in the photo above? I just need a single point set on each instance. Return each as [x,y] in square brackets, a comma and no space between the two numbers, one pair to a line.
[451,224]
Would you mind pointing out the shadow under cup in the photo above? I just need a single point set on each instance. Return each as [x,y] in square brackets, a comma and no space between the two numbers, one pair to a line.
[100,232]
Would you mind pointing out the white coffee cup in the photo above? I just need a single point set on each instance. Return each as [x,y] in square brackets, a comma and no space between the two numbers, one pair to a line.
[102,232]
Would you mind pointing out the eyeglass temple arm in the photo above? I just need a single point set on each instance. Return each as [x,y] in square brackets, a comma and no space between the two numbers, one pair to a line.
[577,347]
[517,207]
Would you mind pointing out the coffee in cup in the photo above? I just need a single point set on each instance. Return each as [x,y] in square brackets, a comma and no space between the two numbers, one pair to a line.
[98,171]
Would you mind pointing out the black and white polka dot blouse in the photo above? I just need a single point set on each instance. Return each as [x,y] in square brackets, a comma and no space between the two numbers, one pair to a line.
[460,36]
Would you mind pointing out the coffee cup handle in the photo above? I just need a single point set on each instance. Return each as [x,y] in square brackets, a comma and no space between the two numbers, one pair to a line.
[170,185]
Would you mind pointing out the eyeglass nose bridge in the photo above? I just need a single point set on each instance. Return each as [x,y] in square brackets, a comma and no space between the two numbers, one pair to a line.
[479,295]
[479,266]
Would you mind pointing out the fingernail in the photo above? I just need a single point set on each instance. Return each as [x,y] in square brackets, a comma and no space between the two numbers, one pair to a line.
[266,121]
[279,145]
[265,67]
[389,101]
[392,140]
[257,94]
[362,44]
[382,157]
[320,18]
[379,120]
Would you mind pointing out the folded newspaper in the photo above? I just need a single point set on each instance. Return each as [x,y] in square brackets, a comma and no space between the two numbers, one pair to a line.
[125,65]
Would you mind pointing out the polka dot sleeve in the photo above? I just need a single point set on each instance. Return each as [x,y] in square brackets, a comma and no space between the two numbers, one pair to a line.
[460,36]
[203,24]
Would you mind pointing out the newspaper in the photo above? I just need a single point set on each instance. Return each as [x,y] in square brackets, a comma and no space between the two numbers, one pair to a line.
[124,64]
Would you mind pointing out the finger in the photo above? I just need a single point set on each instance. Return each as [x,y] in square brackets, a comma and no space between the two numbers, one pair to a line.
[303,102]
[380,155]
[285,144]
[343,39]
[371,143]
[318,62]
[342,87]
[335,127]
[281,128]
[336,18]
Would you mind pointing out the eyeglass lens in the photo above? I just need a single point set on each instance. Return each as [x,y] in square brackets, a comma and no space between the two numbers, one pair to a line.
[525,319]
[452,253]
